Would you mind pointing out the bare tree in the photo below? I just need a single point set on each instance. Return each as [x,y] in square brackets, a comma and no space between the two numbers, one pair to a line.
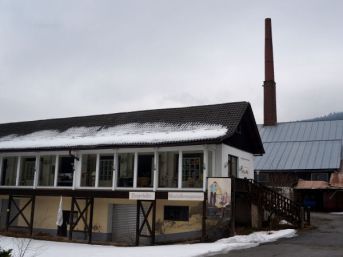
[23,247]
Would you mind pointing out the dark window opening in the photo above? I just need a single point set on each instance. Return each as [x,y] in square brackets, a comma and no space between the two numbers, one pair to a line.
[9,171]
[66,171]
[125,169]
[145,170]
[232,166]
[320,176]
[176,213]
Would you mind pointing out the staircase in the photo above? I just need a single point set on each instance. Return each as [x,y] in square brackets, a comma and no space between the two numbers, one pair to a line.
[274,202]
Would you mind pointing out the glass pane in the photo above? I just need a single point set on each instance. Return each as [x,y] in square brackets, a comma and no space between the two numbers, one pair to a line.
[9,171]
[168,165]
[125,169]
[106,171]
[192,170]
[145,170]
[27,171]
[47,170]
[65,171]
[88,169]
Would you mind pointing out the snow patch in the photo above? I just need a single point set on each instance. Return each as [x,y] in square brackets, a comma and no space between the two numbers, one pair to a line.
[337,213]
[133,133]
[57,249]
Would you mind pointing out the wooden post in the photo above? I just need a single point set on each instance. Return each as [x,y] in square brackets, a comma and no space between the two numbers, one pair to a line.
[71,220]
[8,212]
[204,211]
[90,225]
[153,223]
[137,222]
[33,200]
[233,206]
[302,217]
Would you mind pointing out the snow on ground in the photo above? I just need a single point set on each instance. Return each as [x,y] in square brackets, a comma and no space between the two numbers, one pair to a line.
[337,213]
[133,133]
[57,249]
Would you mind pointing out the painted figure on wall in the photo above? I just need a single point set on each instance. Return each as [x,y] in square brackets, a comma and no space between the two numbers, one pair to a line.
[213,193]
[219,196]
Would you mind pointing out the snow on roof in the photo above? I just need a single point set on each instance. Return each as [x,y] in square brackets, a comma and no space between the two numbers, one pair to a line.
[132,133]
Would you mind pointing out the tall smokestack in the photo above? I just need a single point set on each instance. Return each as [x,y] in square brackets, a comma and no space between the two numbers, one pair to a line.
[269,82]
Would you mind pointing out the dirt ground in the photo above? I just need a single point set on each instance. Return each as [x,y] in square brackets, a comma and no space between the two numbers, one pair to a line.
[324,240]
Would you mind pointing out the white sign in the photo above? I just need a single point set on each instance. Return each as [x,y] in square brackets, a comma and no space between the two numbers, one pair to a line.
[142,196]
[186,196]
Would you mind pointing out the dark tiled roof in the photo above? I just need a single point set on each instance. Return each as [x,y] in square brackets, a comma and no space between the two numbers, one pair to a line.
[228,115]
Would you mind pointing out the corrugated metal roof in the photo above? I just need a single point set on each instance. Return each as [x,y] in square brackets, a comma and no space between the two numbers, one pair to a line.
[302,131]
[300,155]
[301,145]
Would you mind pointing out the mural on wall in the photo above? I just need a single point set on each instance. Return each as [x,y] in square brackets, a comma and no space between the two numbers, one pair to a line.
[219,197]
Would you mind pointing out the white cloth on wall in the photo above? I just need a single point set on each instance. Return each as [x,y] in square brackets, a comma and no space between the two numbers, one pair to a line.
[59,220]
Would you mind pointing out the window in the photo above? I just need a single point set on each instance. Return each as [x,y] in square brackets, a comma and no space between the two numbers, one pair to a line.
[176,213]
[145,170]
[168,165]
[65,171]
[27,171]
[9,171]
[232,166]
[320,176]
[106,171]
[263,177]
[88,169]
[47,170]
[192,170]
[125,169]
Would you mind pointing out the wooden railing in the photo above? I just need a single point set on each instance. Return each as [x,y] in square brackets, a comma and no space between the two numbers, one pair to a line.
[274,202]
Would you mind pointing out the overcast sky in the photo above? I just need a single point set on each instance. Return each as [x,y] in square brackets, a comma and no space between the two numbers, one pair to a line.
[70,58]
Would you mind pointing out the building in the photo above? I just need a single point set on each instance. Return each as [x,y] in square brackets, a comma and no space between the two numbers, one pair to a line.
[309,151]
[125,176]
[303,159]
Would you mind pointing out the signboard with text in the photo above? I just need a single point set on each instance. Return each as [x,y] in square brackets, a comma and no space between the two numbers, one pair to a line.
[142,195]
[186,196]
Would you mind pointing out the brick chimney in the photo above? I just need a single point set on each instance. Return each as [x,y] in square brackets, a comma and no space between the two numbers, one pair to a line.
[269,82]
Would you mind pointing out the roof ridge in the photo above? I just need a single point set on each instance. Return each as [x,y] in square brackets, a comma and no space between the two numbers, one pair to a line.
[299,121]
[299,141]
[128,112]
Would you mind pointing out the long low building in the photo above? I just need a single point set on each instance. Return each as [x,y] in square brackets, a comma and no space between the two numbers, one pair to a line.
[304,157]
[119,177]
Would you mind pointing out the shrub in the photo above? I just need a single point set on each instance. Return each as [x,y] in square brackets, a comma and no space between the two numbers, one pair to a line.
[5,253]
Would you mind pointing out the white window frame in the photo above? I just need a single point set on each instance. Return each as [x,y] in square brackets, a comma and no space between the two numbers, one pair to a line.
[76,184]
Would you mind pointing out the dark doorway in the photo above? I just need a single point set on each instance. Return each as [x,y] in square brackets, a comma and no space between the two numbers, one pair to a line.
[63,230]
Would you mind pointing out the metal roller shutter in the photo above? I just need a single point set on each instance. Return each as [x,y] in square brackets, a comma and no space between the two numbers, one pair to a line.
[124,223]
